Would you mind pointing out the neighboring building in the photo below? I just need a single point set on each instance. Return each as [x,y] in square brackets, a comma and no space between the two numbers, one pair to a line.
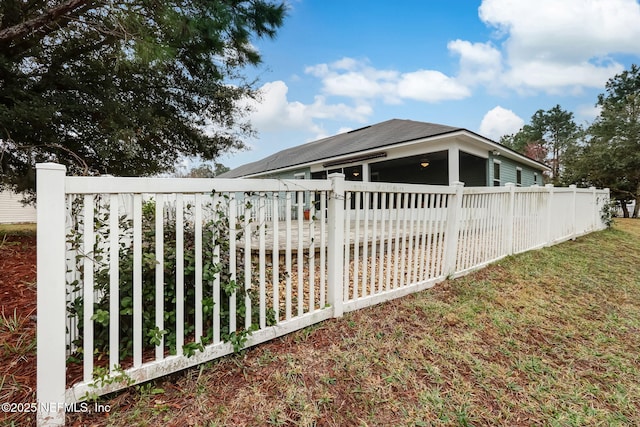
[13,211]
[402,151]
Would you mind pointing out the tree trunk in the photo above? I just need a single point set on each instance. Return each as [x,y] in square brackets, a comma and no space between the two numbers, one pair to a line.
[625,211]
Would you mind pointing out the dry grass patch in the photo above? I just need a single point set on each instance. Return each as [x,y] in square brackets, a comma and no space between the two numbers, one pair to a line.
[28,229]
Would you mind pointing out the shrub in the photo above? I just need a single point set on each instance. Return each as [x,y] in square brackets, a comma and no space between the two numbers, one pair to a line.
[608,212]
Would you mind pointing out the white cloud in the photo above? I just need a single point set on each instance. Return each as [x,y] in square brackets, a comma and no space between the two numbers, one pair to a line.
[430,86]
[574,28]
[558,77]
[498,122]
[356,79]
[274,112]
[479,62]
[555,46]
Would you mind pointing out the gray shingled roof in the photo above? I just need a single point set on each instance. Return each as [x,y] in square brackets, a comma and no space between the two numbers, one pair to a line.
[380,135]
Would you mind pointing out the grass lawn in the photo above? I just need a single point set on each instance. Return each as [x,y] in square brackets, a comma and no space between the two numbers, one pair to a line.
[17,229]
[549,337]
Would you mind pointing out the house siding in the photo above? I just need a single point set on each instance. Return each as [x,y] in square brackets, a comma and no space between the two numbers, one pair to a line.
[13,211]
[508,172]
[290,174]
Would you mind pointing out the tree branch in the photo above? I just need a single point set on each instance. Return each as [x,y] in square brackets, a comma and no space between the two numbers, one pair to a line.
[32,25]
[77,157]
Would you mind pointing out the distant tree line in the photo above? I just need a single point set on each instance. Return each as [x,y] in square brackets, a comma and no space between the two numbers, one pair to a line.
[605,153]
[203,170]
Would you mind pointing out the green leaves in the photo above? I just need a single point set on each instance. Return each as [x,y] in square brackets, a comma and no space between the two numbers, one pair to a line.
[125,88]
[611,156]
[238,338]
[191,348]
[230,287]
[155,335]
[101,316]
[213,268]
[547,138]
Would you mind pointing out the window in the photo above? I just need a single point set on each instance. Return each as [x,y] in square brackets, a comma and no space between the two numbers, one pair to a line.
[535,178]
[319,175]
[519,177]
[496,173]
[304,195]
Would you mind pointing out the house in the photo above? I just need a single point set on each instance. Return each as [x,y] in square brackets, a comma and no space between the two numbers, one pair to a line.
[402,151]
[12,210]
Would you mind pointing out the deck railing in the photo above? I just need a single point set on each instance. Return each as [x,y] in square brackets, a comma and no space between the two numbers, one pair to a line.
[141,277]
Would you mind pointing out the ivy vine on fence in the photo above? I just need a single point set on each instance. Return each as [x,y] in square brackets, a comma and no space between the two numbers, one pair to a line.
[215,232]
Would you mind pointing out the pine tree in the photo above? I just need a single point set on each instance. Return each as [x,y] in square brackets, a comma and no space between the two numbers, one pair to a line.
[125,87]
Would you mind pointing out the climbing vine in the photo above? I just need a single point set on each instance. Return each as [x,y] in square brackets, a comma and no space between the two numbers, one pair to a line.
[216,259]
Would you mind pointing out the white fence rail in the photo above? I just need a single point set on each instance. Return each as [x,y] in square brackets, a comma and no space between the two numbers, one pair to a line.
[141,277]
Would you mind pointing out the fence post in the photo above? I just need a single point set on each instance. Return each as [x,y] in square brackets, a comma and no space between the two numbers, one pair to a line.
[549,188]
[594,203]
[511,216]
[335,244]
[452,229]
[574,229]
[607,200]
[51,296]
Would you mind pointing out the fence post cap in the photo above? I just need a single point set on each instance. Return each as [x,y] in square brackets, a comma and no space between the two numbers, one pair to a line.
[573,186]
[549,185]
[51,166]
[458,184]
[336,175]
[509,184]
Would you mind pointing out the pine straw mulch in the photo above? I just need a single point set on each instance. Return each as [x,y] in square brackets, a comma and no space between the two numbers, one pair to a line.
[17,324]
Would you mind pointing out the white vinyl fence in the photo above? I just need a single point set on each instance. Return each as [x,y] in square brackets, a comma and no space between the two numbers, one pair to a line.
[142,277]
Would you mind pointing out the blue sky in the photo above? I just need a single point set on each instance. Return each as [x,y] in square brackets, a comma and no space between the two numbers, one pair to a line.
[487,66]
